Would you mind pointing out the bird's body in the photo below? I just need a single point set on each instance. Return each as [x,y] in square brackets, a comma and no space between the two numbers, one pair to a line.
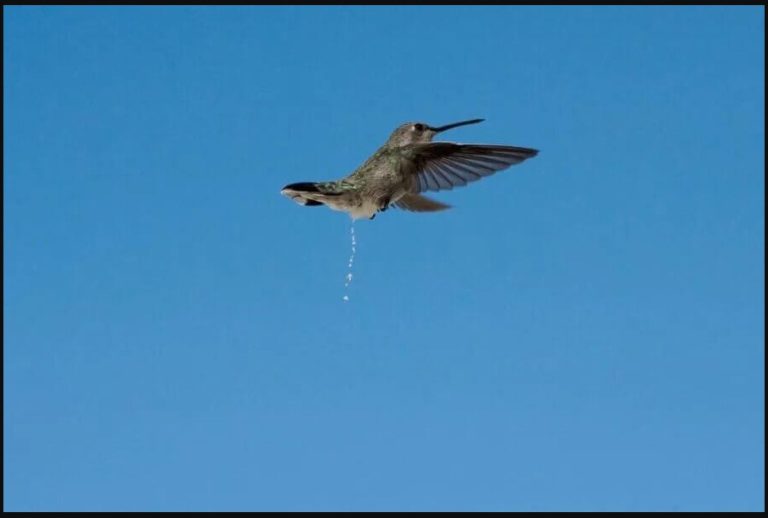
[407,164]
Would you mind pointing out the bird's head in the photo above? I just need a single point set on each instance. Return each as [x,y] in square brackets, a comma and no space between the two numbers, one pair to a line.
[420,132]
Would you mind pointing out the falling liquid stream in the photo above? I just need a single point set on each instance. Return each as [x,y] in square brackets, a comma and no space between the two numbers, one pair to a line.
[348,278]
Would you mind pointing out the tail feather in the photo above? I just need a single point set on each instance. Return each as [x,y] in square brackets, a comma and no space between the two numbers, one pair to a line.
[310,194]
[302,187]
[301,192]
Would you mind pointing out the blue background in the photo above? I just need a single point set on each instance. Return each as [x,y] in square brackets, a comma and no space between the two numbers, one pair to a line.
[581,332]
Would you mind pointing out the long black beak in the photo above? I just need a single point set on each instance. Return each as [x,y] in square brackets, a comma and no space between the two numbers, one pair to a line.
[455,124]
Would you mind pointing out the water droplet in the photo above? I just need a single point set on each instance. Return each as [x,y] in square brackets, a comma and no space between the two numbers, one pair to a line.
[348,277]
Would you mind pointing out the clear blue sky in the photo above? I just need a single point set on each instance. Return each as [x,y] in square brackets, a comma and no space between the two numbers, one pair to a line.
[581,332]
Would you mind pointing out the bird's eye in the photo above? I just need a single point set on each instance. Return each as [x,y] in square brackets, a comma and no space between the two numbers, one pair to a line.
[418,127]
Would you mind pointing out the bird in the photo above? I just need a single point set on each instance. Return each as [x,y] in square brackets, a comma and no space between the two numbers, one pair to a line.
[407,165]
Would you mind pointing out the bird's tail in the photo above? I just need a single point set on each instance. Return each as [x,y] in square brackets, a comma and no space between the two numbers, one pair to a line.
[309,193]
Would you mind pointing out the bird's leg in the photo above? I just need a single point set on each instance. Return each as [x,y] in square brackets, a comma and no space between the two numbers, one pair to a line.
[384,205]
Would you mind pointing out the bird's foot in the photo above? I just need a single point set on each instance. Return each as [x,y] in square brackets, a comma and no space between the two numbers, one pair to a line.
[384,205]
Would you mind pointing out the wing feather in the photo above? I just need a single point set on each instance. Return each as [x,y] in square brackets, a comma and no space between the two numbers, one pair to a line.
[444,165]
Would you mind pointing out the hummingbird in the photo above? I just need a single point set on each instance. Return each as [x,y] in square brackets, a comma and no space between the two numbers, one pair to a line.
[408,164]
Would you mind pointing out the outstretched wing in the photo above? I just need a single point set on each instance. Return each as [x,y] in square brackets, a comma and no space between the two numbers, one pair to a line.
[419,203]
[445,165]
